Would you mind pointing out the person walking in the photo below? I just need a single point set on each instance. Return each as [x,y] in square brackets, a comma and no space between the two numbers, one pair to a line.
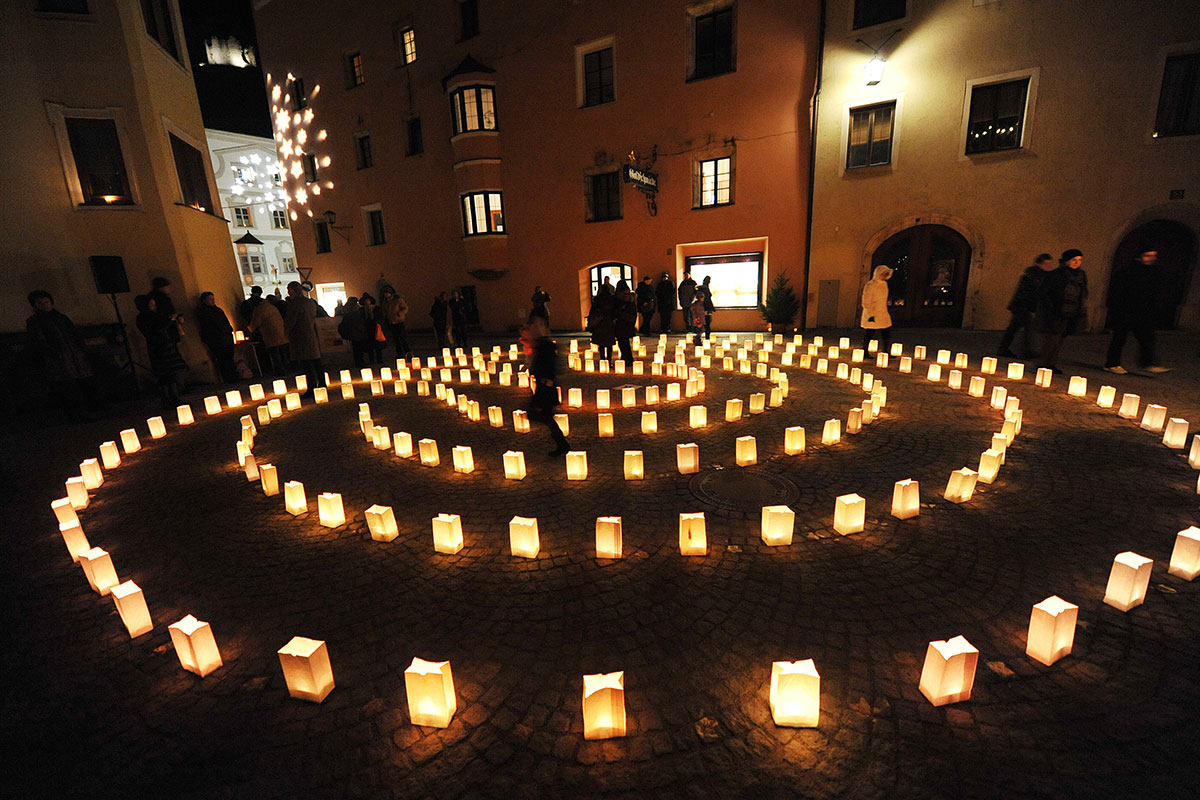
[542,359]
[267,322]
[57,345]
[645,303]
[440,312]
[601,322]
[376,337]
[162,345]
[1022,306]
[395,312]
[687,293]
[1062,305]
[625,319]
[458,318]
[301,329]
[1132,304]
[540,299]
[217,335]
[876,320]
[664,294]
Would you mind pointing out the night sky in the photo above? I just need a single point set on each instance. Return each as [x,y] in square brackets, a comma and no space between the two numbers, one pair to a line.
[231,99]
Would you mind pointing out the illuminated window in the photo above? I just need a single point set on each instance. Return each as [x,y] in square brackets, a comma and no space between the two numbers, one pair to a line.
[279,219]
[160,26]
[598,77]
[474,108]
[870,136]
[242,217]
[252,263]
[1179,99]
[193,175]
[614,271]
[736,278]
[712,184]
[99,163]
[416,142]
[468,11]
[362,150]
[321,234]
[483,212]
[712,38]
[997,116]
[876,12]
[408,45]
[373,217]
[604,197]
[354,69]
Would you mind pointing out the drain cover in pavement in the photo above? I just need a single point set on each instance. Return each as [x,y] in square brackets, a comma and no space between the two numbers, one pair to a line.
[739,490]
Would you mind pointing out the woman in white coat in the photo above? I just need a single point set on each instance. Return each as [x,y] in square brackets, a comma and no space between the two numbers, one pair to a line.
[876,321]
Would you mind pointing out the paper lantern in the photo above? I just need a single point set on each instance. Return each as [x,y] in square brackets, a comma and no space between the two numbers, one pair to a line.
[212,405]
[464,459]
[608,537]
[575,397]
[989,466]
[110,456]
[745,451]
[269,478]
[520,421]
[1174,437]
[733,409]
[758,403]
[604,705]
[423,388]
[673,391]
[1194,453]
[256,392]
[329,509]
[1051,630]
[195,645]
[832,433]
[564,424]
[1043,377]
[988,365]
[242,452]
[793,440]
[294,500]
[77,492]
[1000,445]
[98,569]
[129,441]
[381,522]
[301,383]
[1012,427]
[905,364]
[264,415]
[402,444]
[693,537]
[291,400]
[867,411]
[577,465]
[131,605]
[687,458]
[856,376]
[934,373]
[279,385]
[854,419]
[1154,418]
[429,687]
[602,399]
[1077,386]
[1106,396]
[73,538]
[381,437]
[274,408]
[634,470]
[822,366]
[250,468]
[849,514]
[347,391]
[955,381]
[1128,580]
[1016,371]
[523,537]
[778,523]
[906,499]
[1185,557]
[429,453]
[514,465]
[857,355]
[776,398]
[638,367]
[999,396]
[90,472]
[447,533]
[157,429]
[306,669]
[949,671]
[961,486]
[897,349]
[233,399]
[843,371]
[881,360]
[496,416]
[64,511]
[698,416]
[795,694]
[604,424]
[1129,406]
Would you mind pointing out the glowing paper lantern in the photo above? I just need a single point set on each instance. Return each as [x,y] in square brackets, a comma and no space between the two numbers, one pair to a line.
[110,456]
[934,374]
[849,514]
[1000,445]
[745,451]
[429,687]
[988,365]
[131,605]
[447,533]
[381,437]
[604,705]
[1016,371]
[347,391]
[1185,557]
[291,400]
[948,674]
[64,511]
[233,399]
[999,396]
[1194,453]
[778,523]
[897,349]
[212,405]
[604,424]
[1043,377]
[795,694]
[1128,581]
[793,440]
[402,444]
[73,538]
[306,669]
[514,465]
[264,415]
[1129,406]
[294,500]
[977,386]
[843,371]
[961,486]
[464,460]
[906,499]
[698,416]
[520,421]
[634,471]
[608,537]
[575,397]
[1051,630]
[98,569]
[823,366]
[1077,386]
[905,364]
[955,381]
[129,441]
[854,419]
[269,478]
[693,537]
[256,392]
[564,424]
[832,433]
[275,408]
[989,466]
[577,465]
[1174,437]
[429,453]
[602,399]
[523,537]
[279,385]
[381,522]
[496,416]
[1106,396]
[1154,418]
[687,458]
[776,399]
[881,360]
[329,509]
[89,471]
[195,645]
[250,467]
[77,492]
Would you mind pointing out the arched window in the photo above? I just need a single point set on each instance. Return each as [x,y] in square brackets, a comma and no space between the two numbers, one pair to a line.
[613,270]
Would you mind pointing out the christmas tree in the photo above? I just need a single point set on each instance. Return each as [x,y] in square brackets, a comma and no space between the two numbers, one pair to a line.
[782,305]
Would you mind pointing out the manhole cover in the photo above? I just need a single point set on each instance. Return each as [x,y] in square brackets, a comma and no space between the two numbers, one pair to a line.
[739,490]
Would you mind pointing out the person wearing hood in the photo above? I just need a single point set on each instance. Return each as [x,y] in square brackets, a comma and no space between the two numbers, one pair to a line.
[1022,306]
[1132,304]
[876,321]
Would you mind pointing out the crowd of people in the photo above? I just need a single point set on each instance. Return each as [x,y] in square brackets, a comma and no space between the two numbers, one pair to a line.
[618,312]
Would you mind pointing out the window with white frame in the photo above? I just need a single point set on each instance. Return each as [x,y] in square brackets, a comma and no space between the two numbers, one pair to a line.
[712,40]
[279,219]
[192,173]
[483,213]
[712,184]
[597,85]
[736,278]
[870,143]
[242,217]
[252,263]
[474,108]
[996,120]
[406,40]
[99,163]
[287,263]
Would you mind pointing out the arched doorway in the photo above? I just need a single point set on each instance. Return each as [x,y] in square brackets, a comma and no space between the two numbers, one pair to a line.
[591,278]
[929,284]
[1176,245]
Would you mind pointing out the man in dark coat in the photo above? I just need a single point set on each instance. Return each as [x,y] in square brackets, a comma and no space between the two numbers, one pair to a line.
[602,320]
[542,357]
[248,305]
[217,335]
[1062,305]
[305,347]
[440,312]
[1132,302]
[59,348]
[625,319]
[665,295]
[1023,304]
[645,303]
[687,293]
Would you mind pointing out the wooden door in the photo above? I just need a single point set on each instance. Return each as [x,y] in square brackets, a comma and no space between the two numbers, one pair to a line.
[928,287]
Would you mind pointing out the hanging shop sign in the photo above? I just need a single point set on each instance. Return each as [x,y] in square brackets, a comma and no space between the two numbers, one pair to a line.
[642,179]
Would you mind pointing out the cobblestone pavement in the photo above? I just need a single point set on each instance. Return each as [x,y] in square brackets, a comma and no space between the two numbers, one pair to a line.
[90,712]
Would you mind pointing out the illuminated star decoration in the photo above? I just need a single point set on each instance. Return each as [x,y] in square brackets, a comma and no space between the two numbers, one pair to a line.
[294,142]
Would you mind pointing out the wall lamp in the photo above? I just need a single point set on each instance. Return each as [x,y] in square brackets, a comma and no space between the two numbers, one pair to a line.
[874,68]
[330,218]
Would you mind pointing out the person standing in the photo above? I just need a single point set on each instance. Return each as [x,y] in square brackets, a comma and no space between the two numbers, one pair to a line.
[1132,303]
[217,335]
[664,293]
[601,322]
[376,337]
[542,355]
[440,312]
[267,322]
[1023,304]
[395,312]
[160,290]
[625,319]
[540,299]
[353,329]
[248,305]
[458,318]
[54,341]
[709,307]
[687,293]
[301,328]
[645,303]
[1062,305]
[162,346]
[876,320]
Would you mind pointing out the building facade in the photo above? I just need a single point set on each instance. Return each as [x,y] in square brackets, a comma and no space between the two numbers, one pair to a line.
[495,146]
[249,183]
[104,148]
[989,131]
